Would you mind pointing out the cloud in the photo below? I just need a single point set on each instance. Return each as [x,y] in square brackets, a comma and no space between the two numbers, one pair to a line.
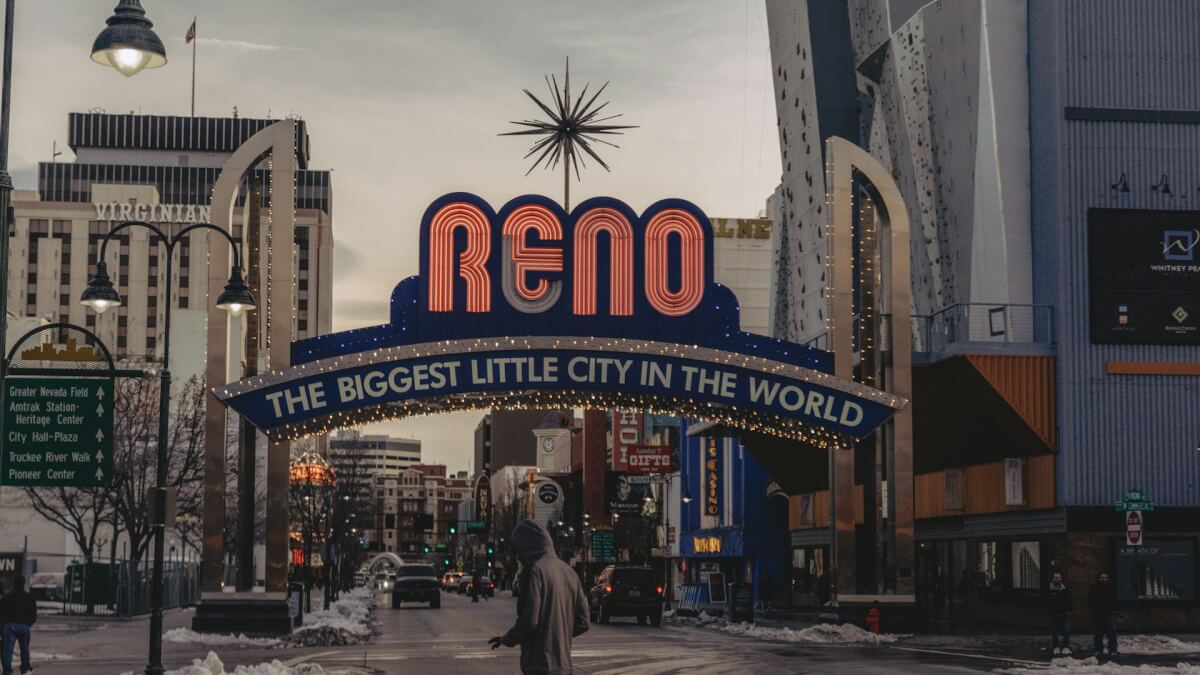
[244,46]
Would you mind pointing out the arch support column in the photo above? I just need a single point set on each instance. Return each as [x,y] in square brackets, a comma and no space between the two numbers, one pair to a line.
[849,165]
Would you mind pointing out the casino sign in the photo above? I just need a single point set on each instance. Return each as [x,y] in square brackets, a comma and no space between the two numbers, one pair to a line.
[532,307]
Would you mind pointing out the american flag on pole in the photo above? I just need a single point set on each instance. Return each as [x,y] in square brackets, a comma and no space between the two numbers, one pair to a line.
[191,34]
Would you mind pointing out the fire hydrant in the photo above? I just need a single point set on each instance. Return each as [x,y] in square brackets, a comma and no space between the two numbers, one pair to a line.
[873,620]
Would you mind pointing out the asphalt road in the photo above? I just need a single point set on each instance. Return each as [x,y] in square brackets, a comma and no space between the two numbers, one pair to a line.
[453,639]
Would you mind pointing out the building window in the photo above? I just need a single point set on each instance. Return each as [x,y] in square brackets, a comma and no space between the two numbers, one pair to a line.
[1026,565]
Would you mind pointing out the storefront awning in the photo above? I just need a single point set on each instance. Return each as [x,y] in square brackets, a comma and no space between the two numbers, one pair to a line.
[975,409]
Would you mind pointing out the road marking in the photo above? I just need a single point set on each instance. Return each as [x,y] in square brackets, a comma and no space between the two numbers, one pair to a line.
[301,659]
[1003,659]
[486,628]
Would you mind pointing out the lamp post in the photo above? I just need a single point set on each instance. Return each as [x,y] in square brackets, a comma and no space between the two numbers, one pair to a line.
[131,42]
[101,296]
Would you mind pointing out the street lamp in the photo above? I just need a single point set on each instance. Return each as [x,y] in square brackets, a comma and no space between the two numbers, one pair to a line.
[129,34]
[128,43]
[100,296]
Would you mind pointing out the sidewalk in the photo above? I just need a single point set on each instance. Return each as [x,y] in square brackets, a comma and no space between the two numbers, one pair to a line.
[1020,643]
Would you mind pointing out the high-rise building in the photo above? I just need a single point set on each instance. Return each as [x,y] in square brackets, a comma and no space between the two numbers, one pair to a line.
[160,169]
[379,455]
[505,438]
[743,250]
[1039,147]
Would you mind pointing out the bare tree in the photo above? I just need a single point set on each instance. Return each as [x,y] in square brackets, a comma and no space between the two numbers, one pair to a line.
[352,511]
[135,451]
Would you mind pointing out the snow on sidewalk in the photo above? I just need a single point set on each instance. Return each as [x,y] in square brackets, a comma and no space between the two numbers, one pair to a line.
[346,622]
[1155,644]
[825,633]
[189,635]
[212,665]
[1091,666]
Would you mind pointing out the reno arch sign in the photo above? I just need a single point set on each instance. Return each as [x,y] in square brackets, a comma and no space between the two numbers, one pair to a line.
[529,306]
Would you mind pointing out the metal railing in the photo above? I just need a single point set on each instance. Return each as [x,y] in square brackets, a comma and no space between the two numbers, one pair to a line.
[982,324]
[118,588]
[976,323]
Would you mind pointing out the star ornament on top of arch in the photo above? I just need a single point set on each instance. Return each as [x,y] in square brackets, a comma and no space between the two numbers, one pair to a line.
[532,307]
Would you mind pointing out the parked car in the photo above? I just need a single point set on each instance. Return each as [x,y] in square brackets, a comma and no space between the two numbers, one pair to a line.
[384,580]
[417,583]
[626,590]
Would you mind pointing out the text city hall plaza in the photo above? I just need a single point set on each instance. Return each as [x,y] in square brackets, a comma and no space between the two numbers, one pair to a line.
[531,306]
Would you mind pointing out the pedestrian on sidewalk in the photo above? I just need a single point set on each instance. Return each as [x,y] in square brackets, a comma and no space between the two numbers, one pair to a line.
[1102,603]
[1058,600]
[19,610]
[551,609]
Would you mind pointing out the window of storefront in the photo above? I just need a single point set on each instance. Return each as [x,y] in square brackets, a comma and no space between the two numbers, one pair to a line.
[1026,565]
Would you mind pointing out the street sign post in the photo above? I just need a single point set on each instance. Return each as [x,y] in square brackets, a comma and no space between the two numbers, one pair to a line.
[1133,505]
[603,546]
[58,431]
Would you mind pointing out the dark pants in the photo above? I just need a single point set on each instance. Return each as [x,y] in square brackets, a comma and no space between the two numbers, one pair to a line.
[1104,625]
[1060,625]
[16,633]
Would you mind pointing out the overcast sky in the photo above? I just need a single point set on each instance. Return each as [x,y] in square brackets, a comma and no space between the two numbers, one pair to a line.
[403,101]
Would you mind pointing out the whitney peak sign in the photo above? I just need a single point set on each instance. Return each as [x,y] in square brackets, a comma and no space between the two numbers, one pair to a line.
[529,306]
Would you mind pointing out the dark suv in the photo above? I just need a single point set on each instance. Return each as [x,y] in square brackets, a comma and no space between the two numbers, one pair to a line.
[417,583]
[627,590]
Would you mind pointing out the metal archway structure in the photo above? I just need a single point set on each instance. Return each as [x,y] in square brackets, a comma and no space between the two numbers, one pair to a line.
[668,340]
[387,557]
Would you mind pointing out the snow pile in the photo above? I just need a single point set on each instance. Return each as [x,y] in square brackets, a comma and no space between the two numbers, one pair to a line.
[1091,666]
[1155,644]
[825,633]
[346,622]
[189,635]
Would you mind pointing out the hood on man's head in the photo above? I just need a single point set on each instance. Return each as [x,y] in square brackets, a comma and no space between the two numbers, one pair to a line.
[530,540]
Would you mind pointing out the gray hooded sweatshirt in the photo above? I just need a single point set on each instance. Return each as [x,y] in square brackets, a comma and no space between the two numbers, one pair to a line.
[551,607]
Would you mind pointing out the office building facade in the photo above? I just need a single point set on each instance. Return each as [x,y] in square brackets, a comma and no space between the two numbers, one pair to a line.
[1039,147]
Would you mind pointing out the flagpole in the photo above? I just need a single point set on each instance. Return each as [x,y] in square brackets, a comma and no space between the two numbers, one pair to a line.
[194,41]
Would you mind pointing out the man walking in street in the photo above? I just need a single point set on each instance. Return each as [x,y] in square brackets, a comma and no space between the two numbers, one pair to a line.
[1102,604]
[551,607]
[1059,602]
[19,610]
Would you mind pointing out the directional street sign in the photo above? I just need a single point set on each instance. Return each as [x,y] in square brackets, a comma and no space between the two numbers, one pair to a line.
[57,432]
[1135,500]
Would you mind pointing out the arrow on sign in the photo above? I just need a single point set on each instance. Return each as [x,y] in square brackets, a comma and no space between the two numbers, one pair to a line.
[100,393]
[99,474]
[99,456]
[99,435]
[100,409]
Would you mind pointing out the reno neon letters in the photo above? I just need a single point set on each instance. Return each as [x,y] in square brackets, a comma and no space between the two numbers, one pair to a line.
[535,243]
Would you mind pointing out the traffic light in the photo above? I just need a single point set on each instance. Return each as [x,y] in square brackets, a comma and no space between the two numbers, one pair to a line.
[491,550]
[453,529]
[427,548]
[446,562]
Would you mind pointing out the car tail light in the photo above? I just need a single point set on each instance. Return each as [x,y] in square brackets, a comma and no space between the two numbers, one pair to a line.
[608,589]
[660,590]
[491,585]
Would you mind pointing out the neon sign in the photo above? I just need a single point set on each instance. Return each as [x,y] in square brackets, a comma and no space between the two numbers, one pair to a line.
[530,306]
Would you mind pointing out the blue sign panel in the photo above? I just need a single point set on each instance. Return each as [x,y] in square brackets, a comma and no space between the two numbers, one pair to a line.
[530,305]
